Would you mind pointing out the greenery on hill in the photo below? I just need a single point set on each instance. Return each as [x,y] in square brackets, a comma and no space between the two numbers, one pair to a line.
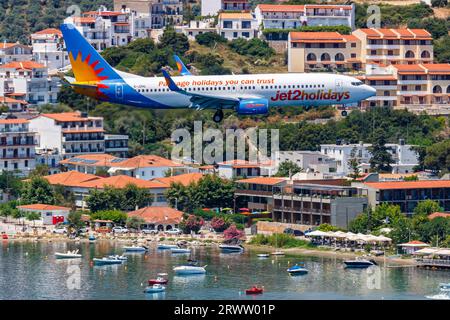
[20,18]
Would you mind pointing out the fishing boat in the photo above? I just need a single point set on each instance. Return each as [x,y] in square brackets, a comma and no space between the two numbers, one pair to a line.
[107,261]
[297,270]
[188,270]
[444,292]
[163,246]
[156,288]
[359,263]
[136,249]
[159,280]
[263,255]
[68,255]
[254,290]
[230,248]
[180,250]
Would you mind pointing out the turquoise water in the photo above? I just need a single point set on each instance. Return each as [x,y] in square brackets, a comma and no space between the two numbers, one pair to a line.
[28,270]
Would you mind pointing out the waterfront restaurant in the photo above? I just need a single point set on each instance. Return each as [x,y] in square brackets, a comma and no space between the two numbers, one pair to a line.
[433,257]
[412,246]
[158,218]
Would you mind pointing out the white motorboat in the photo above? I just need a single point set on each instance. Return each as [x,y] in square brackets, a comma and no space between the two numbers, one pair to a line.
[156,288]
[180,250]
[278,253]
[263,255]
[163,246]
[444,294]
[187,270]
[136,249]
[229,248]
[68,255]
[107,261]
[117,257]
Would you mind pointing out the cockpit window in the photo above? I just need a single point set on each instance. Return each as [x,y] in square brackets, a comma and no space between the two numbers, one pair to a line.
[357,83]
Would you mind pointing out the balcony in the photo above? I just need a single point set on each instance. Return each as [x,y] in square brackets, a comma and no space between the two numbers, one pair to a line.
[405,82]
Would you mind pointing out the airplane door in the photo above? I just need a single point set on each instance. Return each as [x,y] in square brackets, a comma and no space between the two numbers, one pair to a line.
[339,85]
[119,91]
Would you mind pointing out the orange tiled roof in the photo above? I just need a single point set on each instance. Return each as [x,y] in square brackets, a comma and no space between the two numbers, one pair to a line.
[50,31]
[424,184]
[5,45]
[318,37]
[439,214]
[270,181]
[184,179]
[83,20]
[428,68]
[103,13]
[13,121]
[239,164]
[235,15]
[328,6]
[120,181]
[103,160]
[147,161]
[405,34]
[11,100]
[281,7]
[70,179]
[42,207]
[158,215]
[23,65]
[66,117]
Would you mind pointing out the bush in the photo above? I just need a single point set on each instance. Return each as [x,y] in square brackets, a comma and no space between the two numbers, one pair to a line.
[233,233]
[255,47]
[191,224]
[219,224]
[280,241]
[209,39]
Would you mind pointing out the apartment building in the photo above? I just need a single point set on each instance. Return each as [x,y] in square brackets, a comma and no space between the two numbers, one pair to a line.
[139,6]
[166,12]
[49,49]
[403,155]
[237,25]
[241,168]
[395,46]
[70,134]
[213,7]
[382,79]
[196,27]
[13,105]
[28,81]
[312,161]
[17,146]
[310,51]
[117,145]
[406,194]
[302,202]
[11,52]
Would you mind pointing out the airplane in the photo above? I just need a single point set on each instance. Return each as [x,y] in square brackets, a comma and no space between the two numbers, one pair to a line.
[250,94]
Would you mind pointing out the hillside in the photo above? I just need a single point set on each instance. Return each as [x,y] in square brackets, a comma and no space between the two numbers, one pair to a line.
[20,18]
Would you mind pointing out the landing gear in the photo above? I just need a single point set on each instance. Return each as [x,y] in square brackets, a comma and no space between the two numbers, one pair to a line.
[344,113]
[218,116]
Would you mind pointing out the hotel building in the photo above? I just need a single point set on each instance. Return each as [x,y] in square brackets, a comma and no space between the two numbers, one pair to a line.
[10,52]
[48,49]
[213,7]
[309,51]
[237,25]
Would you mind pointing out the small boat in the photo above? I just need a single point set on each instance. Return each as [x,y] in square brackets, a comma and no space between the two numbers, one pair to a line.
[193,263]
[107,261]
[359,263]
[254,290]
[278,253]
[444,294]
[68,255]
[136,249]
[156,288]
[4,236]
[182,243]
[122,258]
[297,270]
[186,270]
[159,280]
[231,248]
[163,246]
[180,250]
[92,239]
[263,255]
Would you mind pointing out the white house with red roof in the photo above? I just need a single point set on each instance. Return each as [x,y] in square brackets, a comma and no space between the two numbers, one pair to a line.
[158,218]
[49,49]
[50,215]
[10,52]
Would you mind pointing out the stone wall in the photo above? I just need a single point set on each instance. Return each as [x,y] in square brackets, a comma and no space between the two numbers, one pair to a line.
[265,227]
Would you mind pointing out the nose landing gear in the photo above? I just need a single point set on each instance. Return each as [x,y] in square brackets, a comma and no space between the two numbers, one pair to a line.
[218,116]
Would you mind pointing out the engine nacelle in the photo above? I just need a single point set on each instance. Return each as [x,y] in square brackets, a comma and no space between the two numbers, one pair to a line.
[253,107]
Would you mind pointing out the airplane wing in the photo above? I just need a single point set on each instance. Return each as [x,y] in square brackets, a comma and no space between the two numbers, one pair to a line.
[202,101]
[181,66]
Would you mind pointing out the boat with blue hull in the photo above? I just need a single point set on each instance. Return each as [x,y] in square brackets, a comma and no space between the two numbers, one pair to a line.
[359,263]
[297,270]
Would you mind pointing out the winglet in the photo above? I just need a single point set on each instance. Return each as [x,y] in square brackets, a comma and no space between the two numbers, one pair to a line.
[181,66]
[170,83]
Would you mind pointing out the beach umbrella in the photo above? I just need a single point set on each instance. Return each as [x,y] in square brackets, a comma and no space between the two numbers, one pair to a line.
[340,234]
[384,239]
[317,233]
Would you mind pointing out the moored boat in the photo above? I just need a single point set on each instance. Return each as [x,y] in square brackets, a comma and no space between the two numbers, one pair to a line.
[230,248]
[297,270]
[122,258]
[68,255]
[187,270]
[136,249]
[158,280]
[156,288]
[359,263]
[278,253]
[254,290]
[263,255]
[107,261]
[444,292]
[163,246]
[180,250]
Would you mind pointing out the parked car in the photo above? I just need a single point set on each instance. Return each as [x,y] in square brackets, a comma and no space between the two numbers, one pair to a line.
[174,231]
[149,231]
[120,230]
[60,230]
[295,233]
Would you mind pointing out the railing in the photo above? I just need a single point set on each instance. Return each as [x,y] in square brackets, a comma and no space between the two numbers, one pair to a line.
[433,262]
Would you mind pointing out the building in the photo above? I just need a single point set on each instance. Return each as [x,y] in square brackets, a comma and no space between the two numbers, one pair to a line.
[70,133]
[237,25]
[183,179]
[196,27]
[158,218]
[13,105]
[12,52]
[439,215]
[404,156]
[307,160]
[49,49]
[213,7]
[309,51]
[17,146]
[166,12]
[50,215]
[406,194]
[117,145]
[311,202]
[243,169]
[412,246]
[281,16]
[395,46]
[139,6]
[28,81]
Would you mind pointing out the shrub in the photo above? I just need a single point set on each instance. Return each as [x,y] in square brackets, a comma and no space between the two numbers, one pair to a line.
[209,39]
[219,224]
[233,233]
[191,224]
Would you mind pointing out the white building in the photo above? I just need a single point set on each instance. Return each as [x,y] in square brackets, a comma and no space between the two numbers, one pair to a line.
[10,52]
[196,27]
[213,7]
[166,12]
[280,16]
[17,146]
[308,161]
[13,105]
[50,215]
[70,134]
[243,169]
[117,145]
[29,81]
[48,49]
[403,155]
[237,25]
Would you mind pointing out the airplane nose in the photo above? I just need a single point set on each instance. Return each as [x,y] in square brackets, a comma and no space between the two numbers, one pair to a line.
[370,91]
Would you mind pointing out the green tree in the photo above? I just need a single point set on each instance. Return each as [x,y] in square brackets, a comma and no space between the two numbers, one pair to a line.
[33,216]
[442,49]
[135,222]
[353,163]
[10,183]
[177,42]
[75,220]
[37,190]
[209,39]
[427,207]
[41,170]
[288,169]
[116,216]
[437,157]
[439,3]
[381,158]
[135,198]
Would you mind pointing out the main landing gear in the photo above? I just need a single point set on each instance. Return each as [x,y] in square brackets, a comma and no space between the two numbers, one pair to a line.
[344,113]
[218,116]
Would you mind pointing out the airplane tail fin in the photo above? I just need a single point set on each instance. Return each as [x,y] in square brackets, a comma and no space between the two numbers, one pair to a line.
[182,67]
[87,64]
